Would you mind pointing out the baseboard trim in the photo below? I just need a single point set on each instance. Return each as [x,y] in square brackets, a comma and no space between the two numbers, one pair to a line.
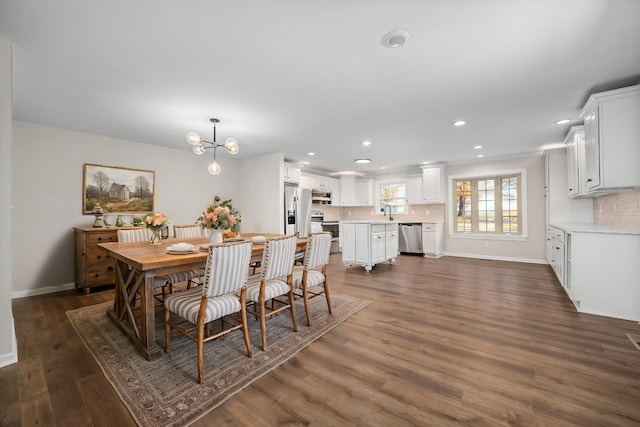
[41,291]
[498,258]
[12,357]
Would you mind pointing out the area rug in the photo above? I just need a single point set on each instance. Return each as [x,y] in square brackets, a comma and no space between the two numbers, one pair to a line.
[165,392]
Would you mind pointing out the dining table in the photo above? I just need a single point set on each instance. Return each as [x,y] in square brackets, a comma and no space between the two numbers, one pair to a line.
[138,264]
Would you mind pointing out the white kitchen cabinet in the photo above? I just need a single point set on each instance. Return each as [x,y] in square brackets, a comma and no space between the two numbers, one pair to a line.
[602,270]
[335,191]
[556,252]
[347,190]
[369,243]
[413,189]
[391,241]
[434,184]
[432,239]
[559,207]
[611,140]
[365,193]
[575,162]
[291,173]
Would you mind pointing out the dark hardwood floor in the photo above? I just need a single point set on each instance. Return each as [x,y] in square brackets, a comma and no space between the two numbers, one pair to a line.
[452,341]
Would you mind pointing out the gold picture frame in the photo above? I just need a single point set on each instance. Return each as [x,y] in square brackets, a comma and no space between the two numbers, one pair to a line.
[117,189]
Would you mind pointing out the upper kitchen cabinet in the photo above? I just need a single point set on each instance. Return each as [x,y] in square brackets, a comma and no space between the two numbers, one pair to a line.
[575,162]
[612,140]
[413,188]
[434,184]
[347,190]
[291,173]
[356,193]
[559,207]
[364,192]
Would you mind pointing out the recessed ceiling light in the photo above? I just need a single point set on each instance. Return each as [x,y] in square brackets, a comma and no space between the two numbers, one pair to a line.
[366,143]
[304,163]
[363,160]
[395,38]
[477,147]
[480,155]
[383,167]
[562,121]
[311,154]
[459,123]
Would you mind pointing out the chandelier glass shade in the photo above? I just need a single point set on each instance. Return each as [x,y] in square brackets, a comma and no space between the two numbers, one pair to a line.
[199,146]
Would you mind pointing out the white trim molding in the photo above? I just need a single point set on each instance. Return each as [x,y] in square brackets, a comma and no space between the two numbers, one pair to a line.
[12,357]
[41,291]
[498,258]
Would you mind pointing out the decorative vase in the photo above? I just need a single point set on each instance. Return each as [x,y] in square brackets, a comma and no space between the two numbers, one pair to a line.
[215,235]
[155,237]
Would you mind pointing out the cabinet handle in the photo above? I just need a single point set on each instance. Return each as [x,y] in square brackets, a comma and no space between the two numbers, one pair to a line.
[589,180]
[571,189]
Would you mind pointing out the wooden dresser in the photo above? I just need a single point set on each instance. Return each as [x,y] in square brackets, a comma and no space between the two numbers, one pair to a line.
[93,267]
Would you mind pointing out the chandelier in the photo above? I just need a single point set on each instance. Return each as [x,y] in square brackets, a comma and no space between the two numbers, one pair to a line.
[199,146]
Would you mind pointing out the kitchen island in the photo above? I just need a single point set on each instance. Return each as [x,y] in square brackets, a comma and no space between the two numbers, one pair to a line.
[368,243]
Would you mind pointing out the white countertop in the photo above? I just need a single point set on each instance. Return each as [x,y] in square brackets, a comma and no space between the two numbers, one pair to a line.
[365,221]
[595,228]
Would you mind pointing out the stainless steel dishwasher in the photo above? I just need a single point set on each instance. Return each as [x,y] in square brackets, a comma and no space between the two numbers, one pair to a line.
[410,241]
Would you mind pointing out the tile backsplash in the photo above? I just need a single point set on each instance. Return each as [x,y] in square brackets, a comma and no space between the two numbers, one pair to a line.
[417,213]
[619,209]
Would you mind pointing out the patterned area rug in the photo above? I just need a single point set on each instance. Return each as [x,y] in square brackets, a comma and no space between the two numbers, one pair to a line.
[165,392]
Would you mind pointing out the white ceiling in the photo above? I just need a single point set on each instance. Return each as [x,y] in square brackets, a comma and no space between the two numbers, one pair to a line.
[299,76]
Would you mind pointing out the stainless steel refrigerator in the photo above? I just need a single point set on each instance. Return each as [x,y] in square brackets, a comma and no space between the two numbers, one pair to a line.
[297,210]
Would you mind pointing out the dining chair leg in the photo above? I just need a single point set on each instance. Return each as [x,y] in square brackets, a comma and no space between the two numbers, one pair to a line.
[292,308]
[263,324]
[167,329]
[200,353]
[326,294]
[243,318]
[305,297]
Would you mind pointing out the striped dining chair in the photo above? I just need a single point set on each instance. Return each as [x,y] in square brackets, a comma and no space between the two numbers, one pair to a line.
[223,294]
[314,270]
[190,231]
[167,280]
[273,281]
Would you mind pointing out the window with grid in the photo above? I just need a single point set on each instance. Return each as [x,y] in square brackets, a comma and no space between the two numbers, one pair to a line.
[394,195]
[488,205]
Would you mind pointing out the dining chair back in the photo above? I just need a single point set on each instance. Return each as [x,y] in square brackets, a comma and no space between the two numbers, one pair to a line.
[167,280]
[314,270]
[190,231]
[137,235]
[273,281]
[222,294]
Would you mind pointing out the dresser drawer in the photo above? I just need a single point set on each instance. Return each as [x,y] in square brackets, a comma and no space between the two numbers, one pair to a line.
[100,273]
[95,238]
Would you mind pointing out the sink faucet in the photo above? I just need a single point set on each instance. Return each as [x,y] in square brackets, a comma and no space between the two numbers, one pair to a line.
[384,212]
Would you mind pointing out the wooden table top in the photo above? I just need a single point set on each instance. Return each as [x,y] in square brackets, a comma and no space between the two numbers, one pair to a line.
[144,256]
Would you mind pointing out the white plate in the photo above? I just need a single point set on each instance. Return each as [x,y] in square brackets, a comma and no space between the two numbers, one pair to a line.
[192,251]
[182,247]
[258,239]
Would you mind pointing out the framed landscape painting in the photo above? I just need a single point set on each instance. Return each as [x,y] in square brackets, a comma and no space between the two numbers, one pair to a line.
[116,189]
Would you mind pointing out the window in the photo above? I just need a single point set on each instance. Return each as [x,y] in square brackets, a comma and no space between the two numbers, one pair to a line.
[489,205]
[394,195]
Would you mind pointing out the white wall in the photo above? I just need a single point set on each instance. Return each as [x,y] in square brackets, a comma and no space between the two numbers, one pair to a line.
[47,189]
[261,193]
[8,348]
[533,248]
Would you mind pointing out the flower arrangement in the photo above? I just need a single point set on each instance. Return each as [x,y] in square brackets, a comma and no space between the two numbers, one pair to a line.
[220,215]
[156,221]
